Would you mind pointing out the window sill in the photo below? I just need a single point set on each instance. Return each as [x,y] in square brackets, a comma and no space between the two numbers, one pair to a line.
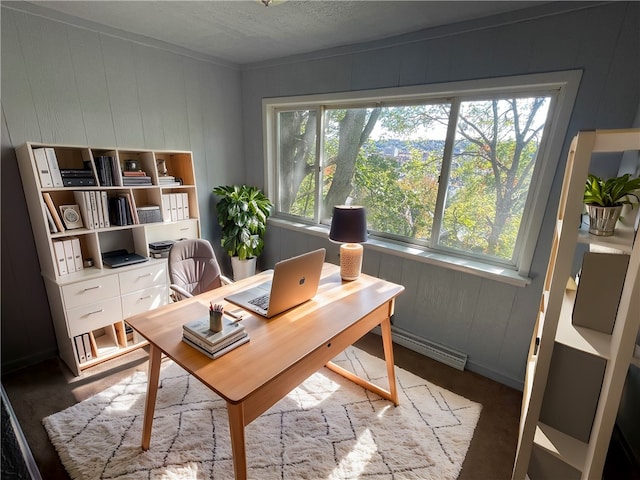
[473,267]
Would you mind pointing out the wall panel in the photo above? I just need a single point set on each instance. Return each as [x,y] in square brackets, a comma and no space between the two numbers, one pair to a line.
[122,85]
[91,80]
[51,78]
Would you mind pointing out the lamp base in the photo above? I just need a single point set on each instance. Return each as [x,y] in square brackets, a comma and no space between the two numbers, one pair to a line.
[350,260]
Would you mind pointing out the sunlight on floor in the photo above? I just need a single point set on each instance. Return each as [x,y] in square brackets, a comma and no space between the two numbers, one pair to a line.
[357,459]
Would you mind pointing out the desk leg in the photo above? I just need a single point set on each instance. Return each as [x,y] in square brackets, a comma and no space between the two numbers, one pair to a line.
[236,428]
[387,345]
[152,393]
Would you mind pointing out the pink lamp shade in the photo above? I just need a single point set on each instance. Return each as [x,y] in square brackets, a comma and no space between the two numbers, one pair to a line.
[349,226]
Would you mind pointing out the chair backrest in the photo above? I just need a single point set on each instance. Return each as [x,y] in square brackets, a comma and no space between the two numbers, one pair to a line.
[193,266]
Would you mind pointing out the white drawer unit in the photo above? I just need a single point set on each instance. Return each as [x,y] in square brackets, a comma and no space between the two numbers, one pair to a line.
[90,291]
[89,301]
[144,300]
[143,277]
[86,318]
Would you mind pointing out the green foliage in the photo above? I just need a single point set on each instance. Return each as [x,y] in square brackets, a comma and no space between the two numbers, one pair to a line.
[611,192]
[242,214]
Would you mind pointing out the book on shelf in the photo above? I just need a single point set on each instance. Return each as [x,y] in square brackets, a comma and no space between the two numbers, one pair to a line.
[52,224]
[76,177]
[105,170]
[218,353]
[52,210]
[200,329]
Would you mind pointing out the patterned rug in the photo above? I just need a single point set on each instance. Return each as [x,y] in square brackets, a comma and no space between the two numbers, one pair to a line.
[327,428]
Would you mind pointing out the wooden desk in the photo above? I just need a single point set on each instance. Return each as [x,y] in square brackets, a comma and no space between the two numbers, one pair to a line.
[283,351]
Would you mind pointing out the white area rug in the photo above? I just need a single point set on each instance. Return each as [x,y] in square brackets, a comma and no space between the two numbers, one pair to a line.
[327,428]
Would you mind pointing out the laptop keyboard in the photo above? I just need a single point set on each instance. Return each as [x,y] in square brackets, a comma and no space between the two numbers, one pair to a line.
[262,302]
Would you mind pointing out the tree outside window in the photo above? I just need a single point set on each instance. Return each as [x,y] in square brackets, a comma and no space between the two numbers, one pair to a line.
[452,174]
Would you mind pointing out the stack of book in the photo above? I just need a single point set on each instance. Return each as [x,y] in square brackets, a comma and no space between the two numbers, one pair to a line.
[197,334]
[136,178]
[168,181]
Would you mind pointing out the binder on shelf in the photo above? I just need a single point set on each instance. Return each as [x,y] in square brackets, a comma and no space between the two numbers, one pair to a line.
[99,210]
[52,160]
[179,208]
[94,208]
[85,208]
[77,253]
[68,255]
[104,200]
[185,205]
[61,261]
[80,349]
[166,207]
[174,207]
[46,181]
[52,210]
[86,342]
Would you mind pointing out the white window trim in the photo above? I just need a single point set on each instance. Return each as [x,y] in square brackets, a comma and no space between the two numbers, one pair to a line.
[565,82]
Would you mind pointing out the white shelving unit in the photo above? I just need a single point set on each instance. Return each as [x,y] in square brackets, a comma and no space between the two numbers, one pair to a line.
[94,301]
[575,375]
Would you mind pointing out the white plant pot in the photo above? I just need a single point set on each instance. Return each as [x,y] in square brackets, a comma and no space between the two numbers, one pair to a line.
[243,268]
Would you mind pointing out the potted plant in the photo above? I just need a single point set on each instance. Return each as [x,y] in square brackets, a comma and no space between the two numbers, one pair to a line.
[242,214]
[604,200]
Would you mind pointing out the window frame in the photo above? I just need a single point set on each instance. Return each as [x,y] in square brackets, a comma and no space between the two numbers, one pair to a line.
[562,87]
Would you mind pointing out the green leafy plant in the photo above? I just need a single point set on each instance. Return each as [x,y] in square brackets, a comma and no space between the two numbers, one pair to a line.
[611,192]
[242,214]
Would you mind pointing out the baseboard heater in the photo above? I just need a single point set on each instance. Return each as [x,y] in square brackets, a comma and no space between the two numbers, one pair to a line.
[430,349]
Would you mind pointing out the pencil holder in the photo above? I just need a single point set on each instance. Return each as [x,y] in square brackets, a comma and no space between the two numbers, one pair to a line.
[215,321]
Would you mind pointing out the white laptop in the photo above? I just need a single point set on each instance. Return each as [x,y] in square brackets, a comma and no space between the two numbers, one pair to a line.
[295,280]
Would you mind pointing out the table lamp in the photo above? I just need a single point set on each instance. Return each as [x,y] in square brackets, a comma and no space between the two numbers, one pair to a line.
[349,226]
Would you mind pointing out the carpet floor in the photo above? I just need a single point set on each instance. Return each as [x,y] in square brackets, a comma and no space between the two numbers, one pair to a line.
[327,428]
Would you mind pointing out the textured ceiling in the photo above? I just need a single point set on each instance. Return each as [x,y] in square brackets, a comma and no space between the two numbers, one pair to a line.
[245,31]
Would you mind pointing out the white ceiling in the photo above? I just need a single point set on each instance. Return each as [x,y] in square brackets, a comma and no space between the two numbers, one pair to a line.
[245,31]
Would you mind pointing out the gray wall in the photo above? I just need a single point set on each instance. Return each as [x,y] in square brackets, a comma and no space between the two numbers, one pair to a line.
[68,85]
[490,321]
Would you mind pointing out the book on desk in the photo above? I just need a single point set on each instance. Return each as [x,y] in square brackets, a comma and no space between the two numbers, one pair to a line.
[214,344]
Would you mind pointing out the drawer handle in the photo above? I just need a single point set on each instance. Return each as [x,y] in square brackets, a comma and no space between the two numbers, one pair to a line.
[148,296]
[146,275]
[184,229]
[96,311]
[92,288]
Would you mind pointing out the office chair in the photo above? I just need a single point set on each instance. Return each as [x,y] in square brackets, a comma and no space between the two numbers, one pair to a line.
[193,269]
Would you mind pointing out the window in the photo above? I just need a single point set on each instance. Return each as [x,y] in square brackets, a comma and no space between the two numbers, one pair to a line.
[461,169]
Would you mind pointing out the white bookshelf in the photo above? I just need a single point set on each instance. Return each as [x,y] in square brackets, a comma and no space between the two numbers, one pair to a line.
[96,299]
[566,359]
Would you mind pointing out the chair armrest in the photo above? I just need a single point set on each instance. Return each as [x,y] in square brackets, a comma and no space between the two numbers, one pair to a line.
[225,280]
[181,292]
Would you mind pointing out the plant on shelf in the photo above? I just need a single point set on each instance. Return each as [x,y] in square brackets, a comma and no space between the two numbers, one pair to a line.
[604,200]
[242,214]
